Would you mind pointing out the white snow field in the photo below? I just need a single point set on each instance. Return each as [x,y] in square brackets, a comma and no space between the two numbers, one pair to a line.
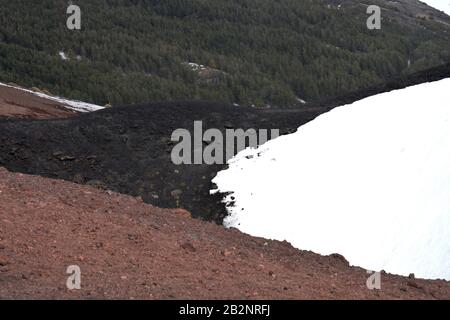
[70,104]
[442,5]
[370,181]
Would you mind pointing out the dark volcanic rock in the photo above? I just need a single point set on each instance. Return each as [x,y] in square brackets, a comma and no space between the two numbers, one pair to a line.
[127,149]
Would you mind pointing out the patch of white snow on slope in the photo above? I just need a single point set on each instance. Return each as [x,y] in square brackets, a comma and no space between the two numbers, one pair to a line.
[370,181]
[70,104]
[442,5]
[63,56]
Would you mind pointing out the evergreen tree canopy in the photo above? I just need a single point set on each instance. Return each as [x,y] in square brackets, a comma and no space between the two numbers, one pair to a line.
[250,52]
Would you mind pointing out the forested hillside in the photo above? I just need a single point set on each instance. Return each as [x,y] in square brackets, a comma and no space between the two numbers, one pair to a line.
[254,52]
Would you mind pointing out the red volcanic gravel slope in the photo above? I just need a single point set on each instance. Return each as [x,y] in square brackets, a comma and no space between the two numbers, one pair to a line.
[15,103]
[131,250]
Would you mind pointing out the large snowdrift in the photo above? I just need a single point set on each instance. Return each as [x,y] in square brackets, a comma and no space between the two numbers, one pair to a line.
[370,181]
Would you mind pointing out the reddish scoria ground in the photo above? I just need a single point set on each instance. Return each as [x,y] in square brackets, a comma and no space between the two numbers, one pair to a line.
[128,249]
